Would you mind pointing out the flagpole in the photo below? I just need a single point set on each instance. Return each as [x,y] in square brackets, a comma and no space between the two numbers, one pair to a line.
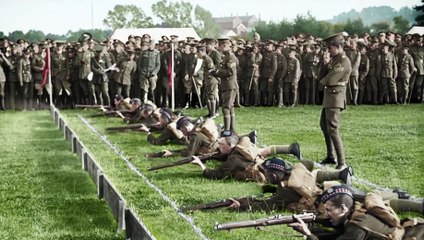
[172,78]
[50,77]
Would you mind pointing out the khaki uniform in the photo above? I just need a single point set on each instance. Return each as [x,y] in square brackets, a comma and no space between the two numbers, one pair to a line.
[268,70]
[227,71]
[148,66]
[279,77]
[61,74]
[334,86]
[373,82]
[416,85]
[198,143]
[363,69]
[387,72]
[291,81]
[352,86]
[38,63]
[124,78]
[311,69]
[100,79]
[12,79]
[211,85]
[26,81]
[84,61]
[406,69]
[251,88]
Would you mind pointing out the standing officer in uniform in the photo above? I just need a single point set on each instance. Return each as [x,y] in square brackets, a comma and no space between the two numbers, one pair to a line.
[280,74]
[363,69]
[291,81]
[268,70]
[148,67]
[211,83]
[38,63]
[334,85]
[251,89]
[84,61]
[387,72]
[406,69]
[227,71]
[25,78]
[352,87]
[373,83]
[99,63]
[61,75]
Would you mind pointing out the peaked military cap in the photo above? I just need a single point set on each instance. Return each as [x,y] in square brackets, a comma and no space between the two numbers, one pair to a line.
[118,42]
[336,39]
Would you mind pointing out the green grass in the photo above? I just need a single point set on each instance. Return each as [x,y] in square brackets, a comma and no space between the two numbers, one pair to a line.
[384,144]
[44,193]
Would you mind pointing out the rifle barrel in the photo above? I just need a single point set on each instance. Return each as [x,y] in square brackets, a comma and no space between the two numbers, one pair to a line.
[183,161]
[273,220]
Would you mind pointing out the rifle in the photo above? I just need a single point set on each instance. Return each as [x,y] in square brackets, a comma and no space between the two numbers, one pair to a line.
[217,204]
[185,161]
[93,106]
[269,221]
[110,113]
[129,127]
[251,78]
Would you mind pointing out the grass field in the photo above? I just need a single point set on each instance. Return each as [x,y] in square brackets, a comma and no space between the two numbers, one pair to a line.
[44,193]
[384,144]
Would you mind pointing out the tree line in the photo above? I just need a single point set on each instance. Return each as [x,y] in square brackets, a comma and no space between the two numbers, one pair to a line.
[184,14]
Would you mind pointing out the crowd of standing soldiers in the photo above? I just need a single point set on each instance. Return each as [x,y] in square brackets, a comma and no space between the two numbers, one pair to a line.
[386,68]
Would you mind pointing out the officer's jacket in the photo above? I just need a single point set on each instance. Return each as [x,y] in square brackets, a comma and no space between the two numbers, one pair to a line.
[38,64]
[84,61]
[281,66]
[97,67]
[334,82]
[355,59]
[364,66]
[208,65]
[14,61]
[418,55]
[386,66]
[293,70]
[127,70]
[24,71]
[312,65]
[227,71]
[253,59]
[373,57]
[216,57]
[149,62]
[59,64]
[269,65]
[406,65]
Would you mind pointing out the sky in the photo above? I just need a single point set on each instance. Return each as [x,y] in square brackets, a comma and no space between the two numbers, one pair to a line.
[59,16]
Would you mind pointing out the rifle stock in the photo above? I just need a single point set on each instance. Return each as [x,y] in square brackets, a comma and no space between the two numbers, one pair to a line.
[129,127]
[269,221]
[184,161]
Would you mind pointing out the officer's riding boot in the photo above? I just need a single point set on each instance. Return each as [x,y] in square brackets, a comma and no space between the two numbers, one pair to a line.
[295,150]
[294,94]
[187,101]
[355,97]
[338,147]
[344,175]
[331,158]
[233,120]
[2,106]
[405,205]
[280,99]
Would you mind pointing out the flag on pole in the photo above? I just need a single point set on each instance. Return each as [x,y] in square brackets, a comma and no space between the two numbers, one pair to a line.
[46,69]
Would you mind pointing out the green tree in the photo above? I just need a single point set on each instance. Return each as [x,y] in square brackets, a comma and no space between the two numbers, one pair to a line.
[380,27]
[127,16]
[97,34]
[1,34]
[204,24]
[401,25]
[35,36]
[355,26]
[174,14]
[15,35]
[420,16]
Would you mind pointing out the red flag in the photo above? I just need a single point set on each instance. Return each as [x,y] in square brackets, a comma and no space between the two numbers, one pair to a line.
[170,73]
[46,69]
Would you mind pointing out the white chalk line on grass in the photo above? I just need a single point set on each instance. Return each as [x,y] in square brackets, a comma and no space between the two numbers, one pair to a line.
[135,169]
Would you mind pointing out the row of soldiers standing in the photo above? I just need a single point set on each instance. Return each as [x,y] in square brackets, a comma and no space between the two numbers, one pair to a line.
[385,69]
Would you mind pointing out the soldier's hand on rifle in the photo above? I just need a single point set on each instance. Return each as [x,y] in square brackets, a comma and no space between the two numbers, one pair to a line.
[166,153]
[300,226]
[235,205]
[197,161]
[144,129]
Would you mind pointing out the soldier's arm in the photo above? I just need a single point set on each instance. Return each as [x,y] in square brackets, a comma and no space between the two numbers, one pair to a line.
[221,172]
[336,73]
[367,67]
[395,69]
[228,69]
[19,71]
[412,65]
[274,66]
[355,64]
[157,64]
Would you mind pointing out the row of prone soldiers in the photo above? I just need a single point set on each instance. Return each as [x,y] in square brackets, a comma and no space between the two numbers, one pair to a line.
[385,69]
[344,212]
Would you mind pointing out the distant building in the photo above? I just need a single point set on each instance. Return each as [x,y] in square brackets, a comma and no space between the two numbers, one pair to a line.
[239,25]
